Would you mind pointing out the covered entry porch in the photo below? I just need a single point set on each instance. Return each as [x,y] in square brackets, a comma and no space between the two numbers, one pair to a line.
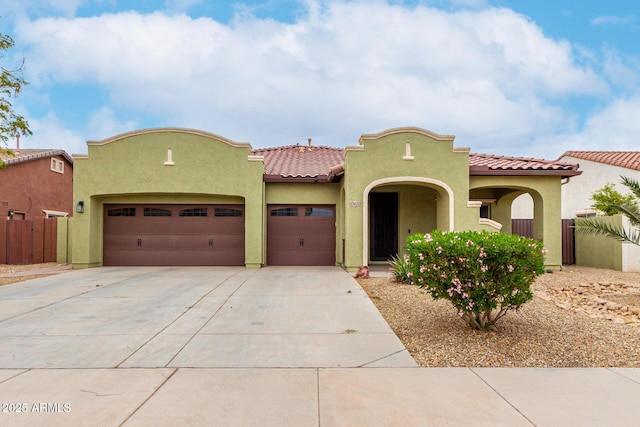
[396,208]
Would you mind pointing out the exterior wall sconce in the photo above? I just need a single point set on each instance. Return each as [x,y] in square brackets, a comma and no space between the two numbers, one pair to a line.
[80,207]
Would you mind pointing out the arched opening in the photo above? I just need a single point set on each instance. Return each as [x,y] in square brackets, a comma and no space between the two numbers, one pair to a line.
[502,204]
[395,208]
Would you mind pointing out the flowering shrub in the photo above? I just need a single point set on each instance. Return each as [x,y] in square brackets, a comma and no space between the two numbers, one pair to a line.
[483,274]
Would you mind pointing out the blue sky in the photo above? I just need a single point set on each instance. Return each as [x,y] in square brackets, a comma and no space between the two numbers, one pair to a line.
[511,77]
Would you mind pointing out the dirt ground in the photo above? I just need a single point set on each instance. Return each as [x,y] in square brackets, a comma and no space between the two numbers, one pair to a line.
[579,317]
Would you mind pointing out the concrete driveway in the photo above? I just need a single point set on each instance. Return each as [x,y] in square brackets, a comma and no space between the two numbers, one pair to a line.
[269,347]
[194,317]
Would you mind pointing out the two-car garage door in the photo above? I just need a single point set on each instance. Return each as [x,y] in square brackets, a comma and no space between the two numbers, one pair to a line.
[174,235]
[215,235]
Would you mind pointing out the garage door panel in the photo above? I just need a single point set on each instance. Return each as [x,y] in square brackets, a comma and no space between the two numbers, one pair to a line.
[298,235]
[139,236]
[119,226]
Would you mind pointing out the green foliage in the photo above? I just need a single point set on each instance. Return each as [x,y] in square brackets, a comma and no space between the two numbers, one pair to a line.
[608,200]
[483,274]
[11,84]
[628,206]
[401,269]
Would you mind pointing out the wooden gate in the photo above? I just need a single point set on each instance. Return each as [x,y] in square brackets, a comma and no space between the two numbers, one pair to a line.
[28,241]
[524,227]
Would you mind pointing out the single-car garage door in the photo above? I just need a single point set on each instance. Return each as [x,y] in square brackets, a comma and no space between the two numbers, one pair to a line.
[173,235]
[301,235]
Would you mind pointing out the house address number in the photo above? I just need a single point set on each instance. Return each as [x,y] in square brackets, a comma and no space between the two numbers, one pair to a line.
[355,203]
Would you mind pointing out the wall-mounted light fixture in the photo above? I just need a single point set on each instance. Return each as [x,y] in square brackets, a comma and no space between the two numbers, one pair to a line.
[80,207]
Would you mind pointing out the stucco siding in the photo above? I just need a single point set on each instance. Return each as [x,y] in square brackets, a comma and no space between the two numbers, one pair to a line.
[165,166]
[31,187]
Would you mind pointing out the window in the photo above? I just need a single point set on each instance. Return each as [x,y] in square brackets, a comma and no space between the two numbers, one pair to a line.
[54,214]
[318,212]
[122,212]
[57,165]
[284,212]
[228,212]
[194,212]
[485,211]
[156,212]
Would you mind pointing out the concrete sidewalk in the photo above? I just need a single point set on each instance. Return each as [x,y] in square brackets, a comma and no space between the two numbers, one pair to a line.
[275,346]
[322,397]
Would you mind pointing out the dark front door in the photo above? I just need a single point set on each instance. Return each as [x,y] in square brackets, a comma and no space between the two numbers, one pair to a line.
[383,226]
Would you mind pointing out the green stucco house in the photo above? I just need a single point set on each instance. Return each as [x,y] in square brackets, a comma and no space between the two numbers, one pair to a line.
[186,197]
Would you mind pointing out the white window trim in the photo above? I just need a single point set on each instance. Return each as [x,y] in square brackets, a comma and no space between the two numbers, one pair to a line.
[57,165]
[54,214]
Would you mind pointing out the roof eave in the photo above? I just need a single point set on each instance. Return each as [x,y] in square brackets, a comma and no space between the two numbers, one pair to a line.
[298,179]
[483,171]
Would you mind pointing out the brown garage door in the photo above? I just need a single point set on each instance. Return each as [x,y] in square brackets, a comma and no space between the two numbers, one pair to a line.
[173,235]
[301,235]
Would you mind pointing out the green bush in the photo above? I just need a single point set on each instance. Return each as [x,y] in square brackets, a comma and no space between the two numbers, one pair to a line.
[401,270]
[483,274]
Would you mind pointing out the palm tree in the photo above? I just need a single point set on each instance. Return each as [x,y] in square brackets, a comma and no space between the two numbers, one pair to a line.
[629,210]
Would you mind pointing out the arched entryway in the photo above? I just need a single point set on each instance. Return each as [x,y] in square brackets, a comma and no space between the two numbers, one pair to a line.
[394,208]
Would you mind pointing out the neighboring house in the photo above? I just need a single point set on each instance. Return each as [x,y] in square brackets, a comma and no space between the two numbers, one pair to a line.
[36,184]
[186,197]
[598,169]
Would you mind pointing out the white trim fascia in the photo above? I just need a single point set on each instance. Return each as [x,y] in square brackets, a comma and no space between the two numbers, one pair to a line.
[48,212]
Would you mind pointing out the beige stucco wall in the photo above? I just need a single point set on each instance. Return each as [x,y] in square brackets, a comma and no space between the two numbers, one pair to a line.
[131,168]
[576,194]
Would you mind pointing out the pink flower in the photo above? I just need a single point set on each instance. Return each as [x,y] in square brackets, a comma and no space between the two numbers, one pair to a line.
[511,268]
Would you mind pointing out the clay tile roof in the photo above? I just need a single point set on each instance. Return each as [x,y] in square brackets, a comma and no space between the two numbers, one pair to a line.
[28,154]
[489,164]
[624,159]
[300,161]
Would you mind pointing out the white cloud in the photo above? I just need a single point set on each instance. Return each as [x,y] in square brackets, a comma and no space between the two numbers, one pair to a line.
[103,123]
[50,132]
[342,70]
[613,20]
[615,127]
[622,71]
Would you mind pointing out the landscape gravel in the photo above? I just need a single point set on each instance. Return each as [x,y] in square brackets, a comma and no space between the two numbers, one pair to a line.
[552,330]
